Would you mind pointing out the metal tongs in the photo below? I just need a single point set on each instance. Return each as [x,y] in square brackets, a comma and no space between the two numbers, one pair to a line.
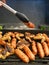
[21,16]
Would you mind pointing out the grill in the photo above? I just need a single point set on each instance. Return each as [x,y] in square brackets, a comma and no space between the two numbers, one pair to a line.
[15,60]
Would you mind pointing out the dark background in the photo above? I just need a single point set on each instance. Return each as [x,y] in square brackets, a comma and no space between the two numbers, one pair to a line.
[36,10]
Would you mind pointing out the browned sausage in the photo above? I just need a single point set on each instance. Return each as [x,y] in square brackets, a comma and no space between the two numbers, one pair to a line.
[29,53]
[13,43]
[40,50]
[2,42]
[34,48]
[46,37]
[29,24]
[45,47]
[22,55]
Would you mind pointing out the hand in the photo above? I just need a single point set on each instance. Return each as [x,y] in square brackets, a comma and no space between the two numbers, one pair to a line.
[2,1]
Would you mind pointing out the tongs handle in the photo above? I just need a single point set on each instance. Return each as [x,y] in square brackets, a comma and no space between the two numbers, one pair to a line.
[21,16]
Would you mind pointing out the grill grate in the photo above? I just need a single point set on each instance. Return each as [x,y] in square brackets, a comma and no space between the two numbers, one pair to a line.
[14,58]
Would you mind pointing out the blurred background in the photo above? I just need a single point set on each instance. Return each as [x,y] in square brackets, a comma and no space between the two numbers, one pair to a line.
[36,10]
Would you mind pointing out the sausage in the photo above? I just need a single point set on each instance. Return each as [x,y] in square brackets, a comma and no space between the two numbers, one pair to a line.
[13,43]
[45,47]
[29,53]
[48,45]
[46,37]
[22,55]
[34,48]
[47,40]
[2,42]
[29,24]
[40,50]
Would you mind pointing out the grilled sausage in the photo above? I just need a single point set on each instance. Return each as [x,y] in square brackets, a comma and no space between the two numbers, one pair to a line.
[22,55]
[29,24]
[46,37]
[40,50]
[2,42]
[13,43]
[45,47]
[34,48]
[29,53]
